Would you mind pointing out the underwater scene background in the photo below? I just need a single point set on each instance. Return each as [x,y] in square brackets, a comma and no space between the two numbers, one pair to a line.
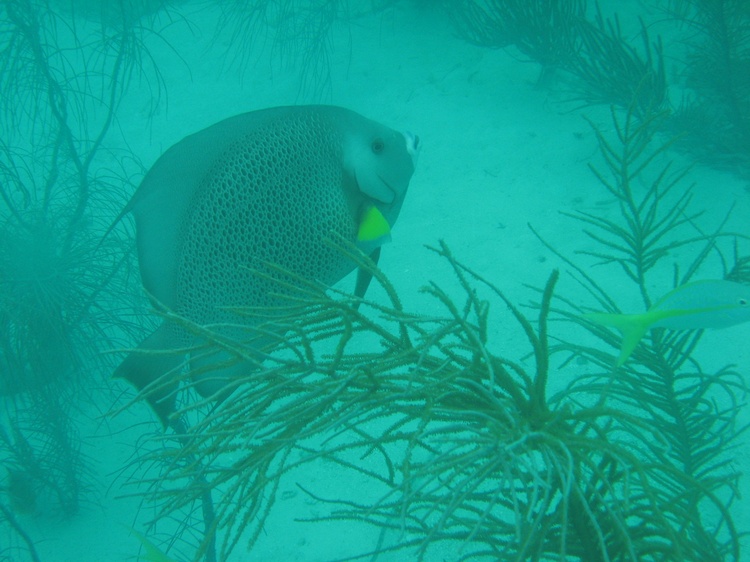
[577,158]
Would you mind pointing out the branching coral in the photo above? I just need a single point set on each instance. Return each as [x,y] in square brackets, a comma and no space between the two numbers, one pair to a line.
[710,44]
[547,32]
[298,32]
[694,412]
[716,108]
[55,271]
[601,64]
[464,442]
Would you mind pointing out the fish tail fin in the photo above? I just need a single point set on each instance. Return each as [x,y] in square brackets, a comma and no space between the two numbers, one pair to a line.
[150,366]
[632,327]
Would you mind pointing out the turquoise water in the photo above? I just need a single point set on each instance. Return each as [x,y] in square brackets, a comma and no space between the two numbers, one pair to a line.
[511,109]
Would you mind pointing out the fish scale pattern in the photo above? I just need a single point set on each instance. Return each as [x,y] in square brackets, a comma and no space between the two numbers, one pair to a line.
[273,197]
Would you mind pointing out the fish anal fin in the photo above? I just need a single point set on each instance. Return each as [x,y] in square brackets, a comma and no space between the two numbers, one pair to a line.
[364,276]
[149,368]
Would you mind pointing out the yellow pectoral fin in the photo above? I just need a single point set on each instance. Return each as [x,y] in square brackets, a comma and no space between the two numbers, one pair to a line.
[373,225]
[630,339]
[632,327]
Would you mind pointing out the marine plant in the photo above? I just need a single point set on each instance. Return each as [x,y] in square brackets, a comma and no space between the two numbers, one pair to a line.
[466,445]
[626,463]
[715,109]
[598,63]
[694,411]
[299,33]
[593,58]
[7,516]
[609,70]
[61,82]
[546,32]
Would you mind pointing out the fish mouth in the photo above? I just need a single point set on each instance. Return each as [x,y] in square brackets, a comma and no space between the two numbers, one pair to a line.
[413,145]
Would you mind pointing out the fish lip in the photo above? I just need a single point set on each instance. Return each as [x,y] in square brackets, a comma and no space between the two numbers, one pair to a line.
[413,146]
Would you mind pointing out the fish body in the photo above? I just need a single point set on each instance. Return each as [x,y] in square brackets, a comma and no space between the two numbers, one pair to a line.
[266,187]
[694,306]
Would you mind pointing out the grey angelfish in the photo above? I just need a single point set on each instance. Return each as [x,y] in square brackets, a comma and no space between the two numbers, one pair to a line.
[264,187]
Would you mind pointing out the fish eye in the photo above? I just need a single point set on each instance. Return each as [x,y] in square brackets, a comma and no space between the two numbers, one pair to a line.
[743,302]
[378,146]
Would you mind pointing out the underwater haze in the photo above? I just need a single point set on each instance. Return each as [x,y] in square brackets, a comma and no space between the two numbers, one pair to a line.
[517,375]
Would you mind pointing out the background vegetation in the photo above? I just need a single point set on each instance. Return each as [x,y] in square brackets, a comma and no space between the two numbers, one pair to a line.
[464,443]
[468,443]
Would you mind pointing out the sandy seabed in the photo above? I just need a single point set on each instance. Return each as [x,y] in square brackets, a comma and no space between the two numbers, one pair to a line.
[499,153]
